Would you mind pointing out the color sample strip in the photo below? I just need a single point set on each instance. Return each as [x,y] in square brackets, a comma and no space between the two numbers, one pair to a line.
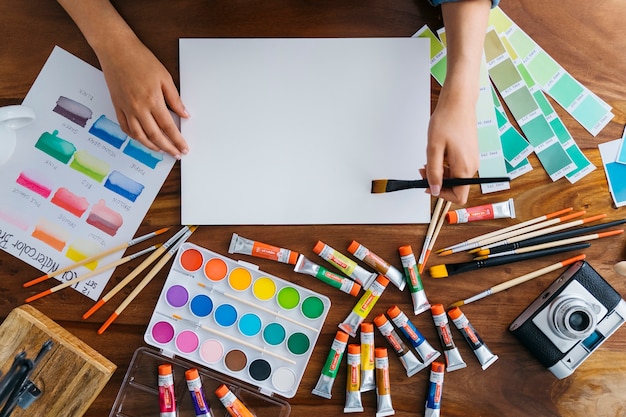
[109,131]
[238,320]
[518,170]
[141,153]
[588,109]
[615,171]
[89,165]
[34,182]
[123,185]
[514,146]
[51,234]
[56,147]
[583,165]
[621,153]
[525,109]
[490,148]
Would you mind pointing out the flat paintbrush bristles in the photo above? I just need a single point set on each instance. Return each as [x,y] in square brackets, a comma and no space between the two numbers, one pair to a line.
[438,271]
[387,186]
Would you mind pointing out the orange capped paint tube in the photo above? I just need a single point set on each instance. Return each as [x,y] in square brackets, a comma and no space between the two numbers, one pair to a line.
[480,349]
[233,405]
[411,364]
[331,366]
[411,272]
[251,247]
[454,360]
[384,407]
[435,390]
[363,307]
[353,381]
[345,264]
[167,399]
[501,210]
[380,265]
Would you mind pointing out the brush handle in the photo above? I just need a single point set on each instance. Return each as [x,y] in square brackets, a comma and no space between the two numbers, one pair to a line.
[447,182]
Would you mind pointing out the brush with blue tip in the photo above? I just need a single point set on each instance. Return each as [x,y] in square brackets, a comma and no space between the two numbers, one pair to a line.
[445,270]
[387,185]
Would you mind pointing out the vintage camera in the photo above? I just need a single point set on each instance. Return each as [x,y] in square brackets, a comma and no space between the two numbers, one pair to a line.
[570,319]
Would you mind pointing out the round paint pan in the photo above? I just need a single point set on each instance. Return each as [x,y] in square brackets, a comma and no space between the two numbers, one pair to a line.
[240,279]
[162,332]
[250,324]
[191,260]
[235,360]
[260,369]
[288,298]
[283,379]
[215,269]
[298,343]
[177,296]
[211,351]
[312,307]
[274,334]
[201,305]
[225,315]
[187,341]
[264,288]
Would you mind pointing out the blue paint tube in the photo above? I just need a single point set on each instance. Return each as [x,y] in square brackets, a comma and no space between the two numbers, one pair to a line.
[435,390]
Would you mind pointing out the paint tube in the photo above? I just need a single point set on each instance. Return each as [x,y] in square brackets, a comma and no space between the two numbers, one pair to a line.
[364,306]
[411,364]
[368,365]
[417,340]
[233,405]
[435,390]
[194,384]
[501,210]
[167,399]
[384,407]
[345,264]
[353,382]
[251,247]
[450,351]
[331,367]
[418,295]
[306,266]
[376,262]
[482,352]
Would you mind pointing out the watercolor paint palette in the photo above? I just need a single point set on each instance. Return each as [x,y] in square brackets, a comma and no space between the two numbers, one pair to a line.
[231,317]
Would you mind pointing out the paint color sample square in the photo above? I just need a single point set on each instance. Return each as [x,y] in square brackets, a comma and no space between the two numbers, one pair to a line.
[615,172]
[293,131]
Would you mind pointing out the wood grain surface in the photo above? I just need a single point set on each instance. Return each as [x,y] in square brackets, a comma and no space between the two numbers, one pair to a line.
[586,38]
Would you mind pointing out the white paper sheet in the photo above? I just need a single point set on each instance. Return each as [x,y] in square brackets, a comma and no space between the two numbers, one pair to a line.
[293,131]
[76,185]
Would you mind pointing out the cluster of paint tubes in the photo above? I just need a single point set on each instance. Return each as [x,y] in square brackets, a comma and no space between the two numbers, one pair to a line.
[368,366]
[167,398]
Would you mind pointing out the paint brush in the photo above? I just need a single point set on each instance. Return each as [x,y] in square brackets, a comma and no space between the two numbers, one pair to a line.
[107,252]
[434,218]
[90,274]
[541,232]
[549,238]
[552,244]
[146,263]
[435,235]
[446,270]
[517,281]
[476,246]
[146,280]
[388,185]
[465,245]
[236,340]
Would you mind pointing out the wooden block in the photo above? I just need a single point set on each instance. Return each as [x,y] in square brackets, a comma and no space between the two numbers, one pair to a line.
[70,375]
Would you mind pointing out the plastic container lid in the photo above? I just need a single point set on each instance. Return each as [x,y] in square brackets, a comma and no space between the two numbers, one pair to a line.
[382,280]
[367,327]
[380,352]
[341,336]
[293,257]
[221,391]
[354,349]
[318,247]
[380,320]
[355,289]
[452,217]
[394,311]
[165,369]
[353,246]
[437,367]
[455,313]
[437,309]
[405,250]
[191,374]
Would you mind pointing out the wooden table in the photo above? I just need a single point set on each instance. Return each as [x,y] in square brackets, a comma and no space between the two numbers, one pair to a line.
[587,39]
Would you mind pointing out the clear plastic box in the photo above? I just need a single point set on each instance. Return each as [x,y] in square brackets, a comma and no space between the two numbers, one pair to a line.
[139,393]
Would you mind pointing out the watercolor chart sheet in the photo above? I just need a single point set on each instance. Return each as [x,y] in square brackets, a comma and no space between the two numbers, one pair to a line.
[293,131]
[76,185]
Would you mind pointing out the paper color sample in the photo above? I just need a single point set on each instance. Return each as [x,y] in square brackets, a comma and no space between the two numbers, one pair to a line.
[59,205]
[293,131]
[615,171]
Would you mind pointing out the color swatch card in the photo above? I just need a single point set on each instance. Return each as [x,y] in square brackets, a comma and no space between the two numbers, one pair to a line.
[233,318]
[615,171]
[293,131]
[588,109]
[76,184]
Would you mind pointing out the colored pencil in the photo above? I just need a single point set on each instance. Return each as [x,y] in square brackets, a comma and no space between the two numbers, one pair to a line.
[431,228]
[107,252]
[237,340]
[388,185]
[476,246]
[446,270]
[146,263]
[551,244]
[549,237]
[90,274]
[541,232]
[146,280]
[464,245]
[519,280]
[440,221]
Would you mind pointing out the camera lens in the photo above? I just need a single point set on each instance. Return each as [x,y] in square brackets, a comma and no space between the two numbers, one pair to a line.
[579,321]
[573,317]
